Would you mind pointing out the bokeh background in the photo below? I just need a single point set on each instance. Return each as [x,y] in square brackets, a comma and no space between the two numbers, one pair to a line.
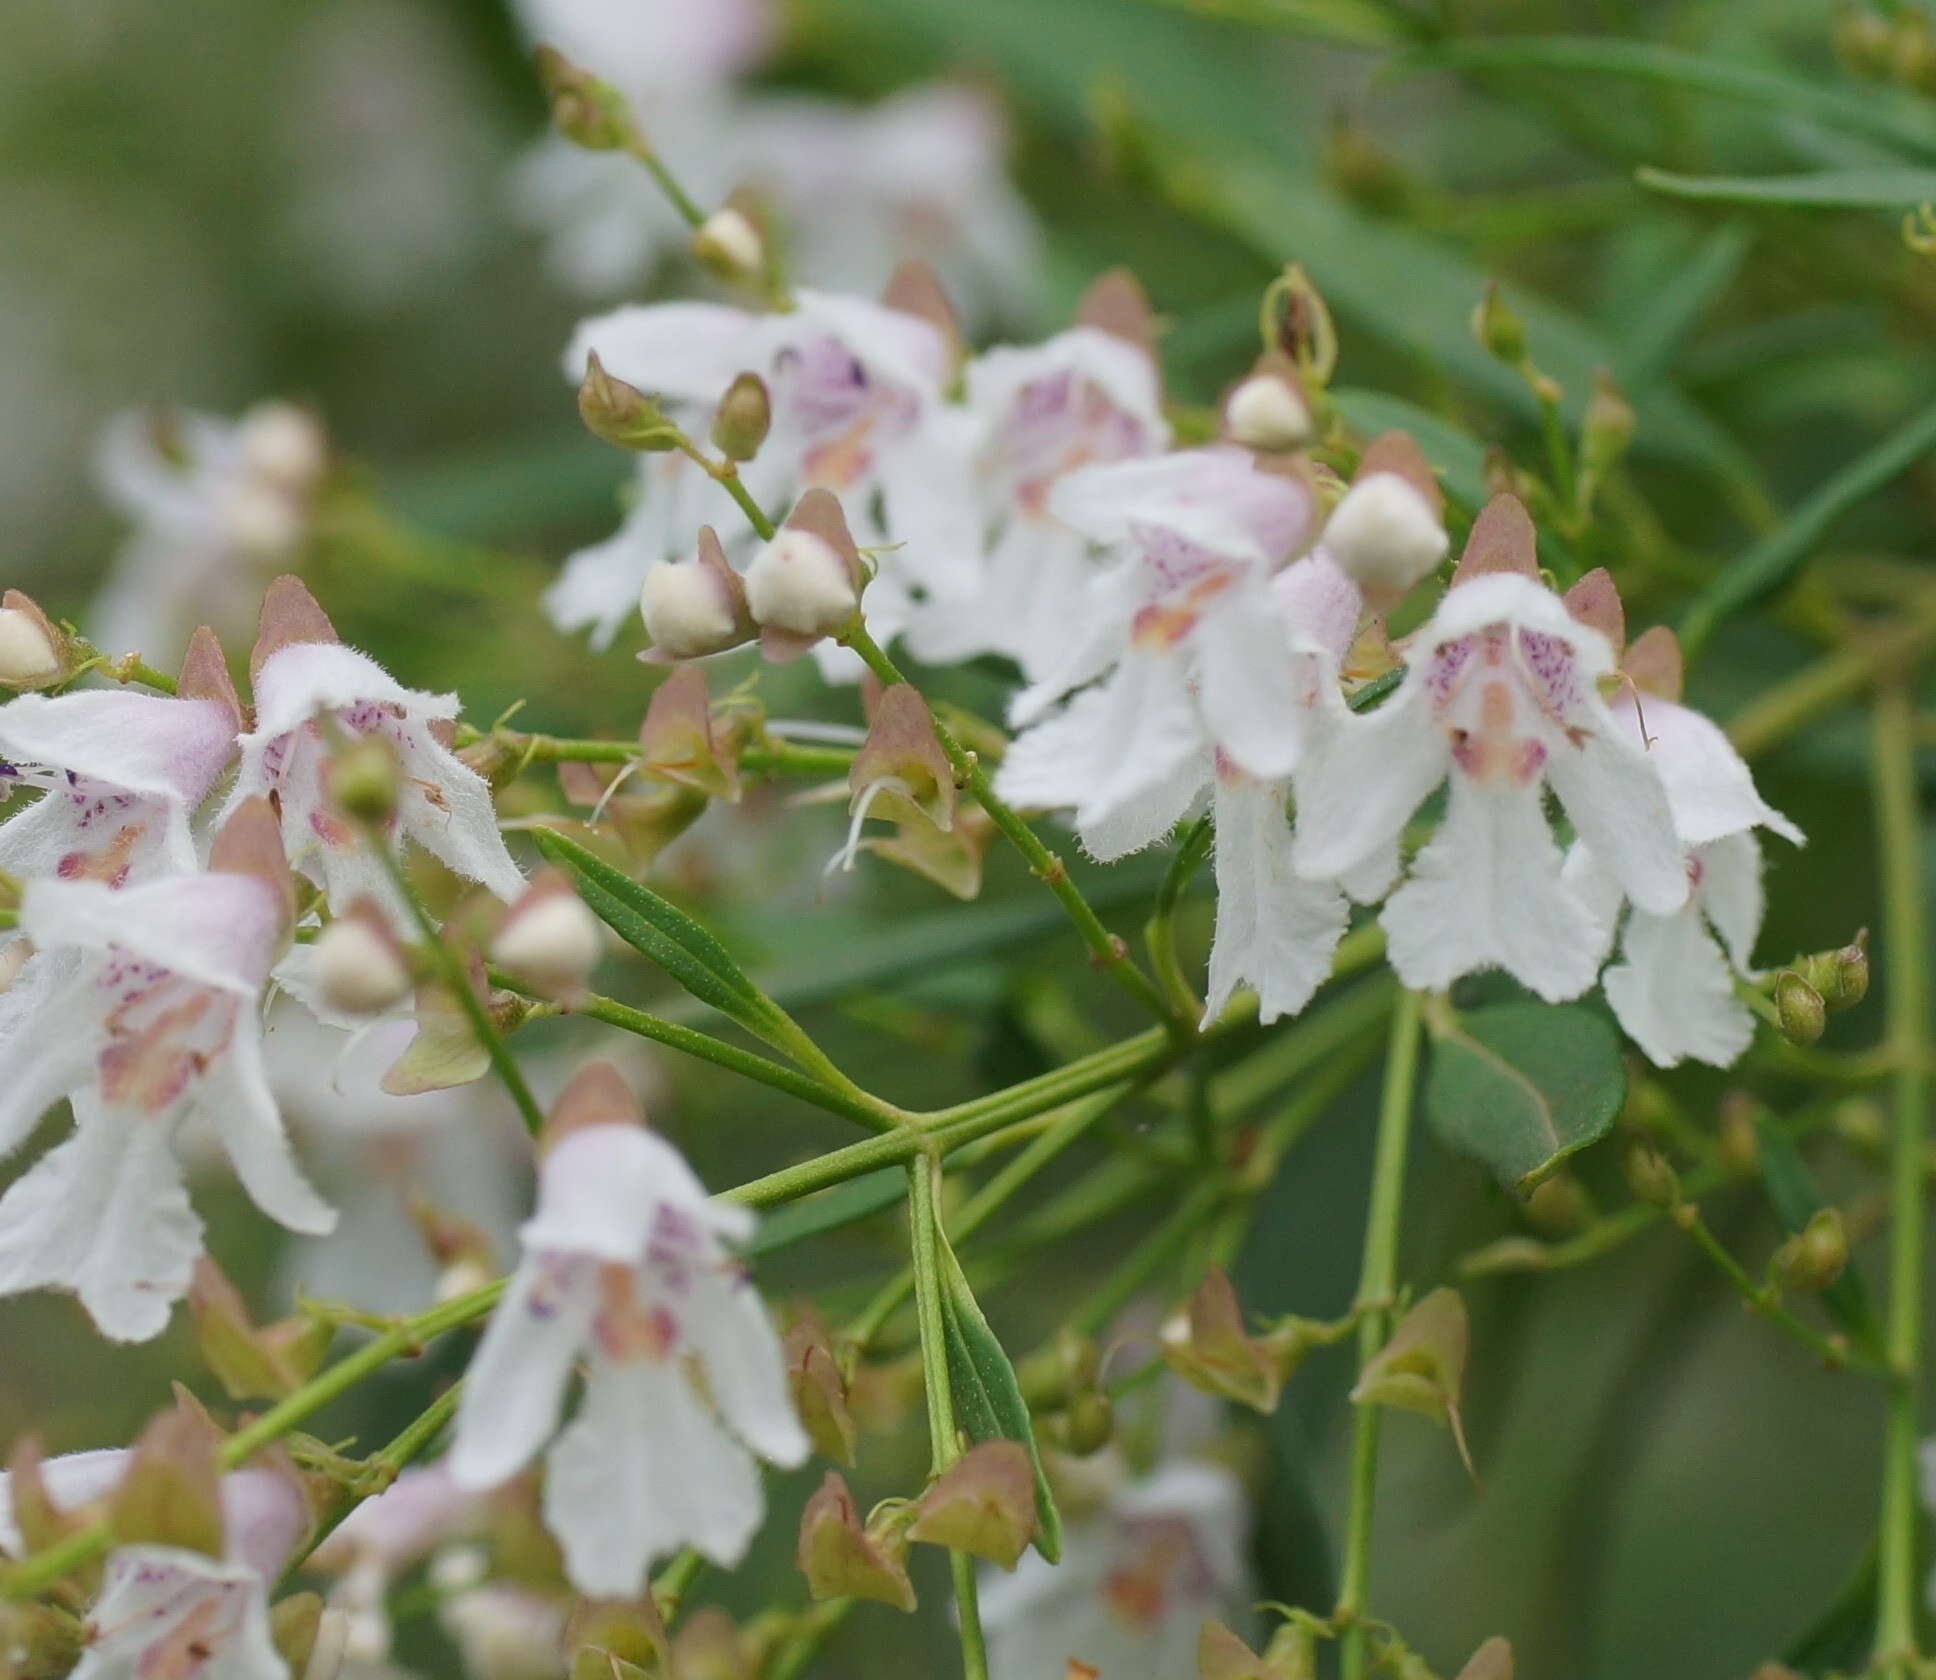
[210,201]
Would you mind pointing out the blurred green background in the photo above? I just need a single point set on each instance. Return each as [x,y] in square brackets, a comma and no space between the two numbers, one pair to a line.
[210,201]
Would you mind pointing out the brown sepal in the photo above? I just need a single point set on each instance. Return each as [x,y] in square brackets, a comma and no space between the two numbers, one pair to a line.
[1398,453]
[1595,602]
[676,740]
[915,289]
[1116,303]
[250,843]
[289,615]
[1502,540]
[205,676]
[1653,663]
[596,1095]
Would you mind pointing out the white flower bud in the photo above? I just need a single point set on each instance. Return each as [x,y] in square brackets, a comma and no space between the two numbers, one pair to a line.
[462,1277]
[506,1633]
[687,611]
[1384,534]
[730,245]
[261,518]
[457,1569]
[333,1632]
[357,970]
[799,584]
[553,942]
[1268,412]
[282,443]
[27,653]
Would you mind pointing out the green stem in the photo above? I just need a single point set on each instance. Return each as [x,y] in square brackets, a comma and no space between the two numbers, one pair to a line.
[1159,937]
[727,477]
[676,195]
[773,755]
[1377,1284]
[1906,952]
[1204,1201]
[1106,950]
[924,1216]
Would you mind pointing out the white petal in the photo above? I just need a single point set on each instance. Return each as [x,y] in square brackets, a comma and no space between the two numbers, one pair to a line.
[1485,892]
[1674,993]
[905,349]
[143,743]
[458,824]
[1598,892]
[1730,894]
[1148,817]
[1083,645]
[156,1600]
[71,1480]
[105,1215]
[264,1514]
[220,930]
[1214,498]
[1247,685]
[298,681]
[600,1192]
[515,1386]
[1618,805]
[1709,787]
[643,1471]
[1363,779]
[683,351]
[1120,370]
[1321,606]
[1275,931]
[246,1117]
[745,1370]
[49,1035]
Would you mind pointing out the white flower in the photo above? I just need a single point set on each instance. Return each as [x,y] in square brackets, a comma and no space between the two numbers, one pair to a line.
[1191,650]
[1500,699]
[1082,397]
[153,1014]
[304,677]
[1673,991]
[1135,1584]
[623,1267]
[169,1613]
[379,1540]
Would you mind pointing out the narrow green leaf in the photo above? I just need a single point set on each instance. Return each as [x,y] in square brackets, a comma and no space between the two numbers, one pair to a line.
[1897,119]
[1673,304]
[1770,563]
[1839,1638]
[988,1399]
[1521,1086]
[662,932]
[845,1204]
[1350,23]
[1795,1197]
[1826,189]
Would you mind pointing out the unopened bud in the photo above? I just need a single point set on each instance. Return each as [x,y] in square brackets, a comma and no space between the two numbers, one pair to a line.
[1606,428]
[359,967]
[1559,1206]
[621,413]
[548,937]
[1649,1176]
[363,779]
[1740,1147]
[819,1391]
[983,1503]
[1267,409]
[799,584]
[1859,1122]
[283,444]
[1814,1256]
[1497,328]
[842,1560]
[695,607]
[330,1647]
[1799,1010]
[1086,1425]
[1385,534]
[1842,977]
[587,111]
[730,246]
[30,647]
[744,416]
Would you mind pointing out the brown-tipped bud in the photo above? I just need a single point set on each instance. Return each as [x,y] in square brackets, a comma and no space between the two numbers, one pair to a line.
[622,414]
[695,607]
[1740,1147]
[548,937]
[1800,1013]
[1559,1206]
[251,1363]
[1085,1425]
[1388,531]
[819,1391]
[1814,1256]
[677,741]
[596,1095]
[1208,1346]
[728,244]
[1606,429]
[901,771]
[1492,1661]
[983,1503]
[1116,303]
[1267,409]
[1499,331]
[33,651]
[170,1493]
[806,582]
[1841,977]
[840,1559]
[1649,1176]
[358,965]
[743,418]
[1305,331]
[364,779]
[1422,1367]
[586,110]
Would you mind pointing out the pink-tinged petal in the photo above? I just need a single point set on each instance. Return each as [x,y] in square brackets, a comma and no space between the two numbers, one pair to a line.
[301,680]
[105,1215]
[1508,598]
[1709,788]
[1120,371]
[1615,800]
[139,743]
[1486,893]
[446,807]
[71,1480]
[515,1387]
[264,1514]
[414,1514]
[50,1033]
[1673,993]
[600,1189]
[1363,779]
[1321,607]
[1214,498]
[728,1327]
[165,1613]
[643,1471]
[1729,892]
[238,1097]
[893,345]
[1275,931]
[219,930]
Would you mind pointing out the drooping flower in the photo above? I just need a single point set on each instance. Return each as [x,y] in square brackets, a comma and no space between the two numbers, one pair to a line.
[212,504]
[1136,1582]
[1673,989]
[380,1539]
[1185,651]
[1089,395]
[624,1267]
[308,685]
[1500,701]
[154,1015]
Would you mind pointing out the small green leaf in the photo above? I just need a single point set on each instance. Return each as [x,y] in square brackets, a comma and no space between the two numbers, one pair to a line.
[844,1204]
[664,933]
[988,1400]
[1824,189]
[1796,1199]
[1521,1086]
